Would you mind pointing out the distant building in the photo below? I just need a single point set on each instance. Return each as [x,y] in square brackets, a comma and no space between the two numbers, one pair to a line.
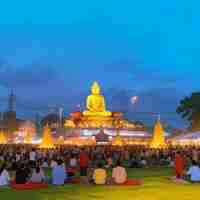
[53,120]
[9,121]
[26,125]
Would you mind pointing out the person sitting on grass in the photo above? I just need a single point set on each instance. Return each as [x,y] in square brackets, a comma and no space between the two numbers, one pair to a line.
[53,163]
[143,162]
[109,163]
[90,172]
[37,175]
[58,173]
[45,164]
[22,174]
[194,172]
[119,174]
[99,175]
[4,176]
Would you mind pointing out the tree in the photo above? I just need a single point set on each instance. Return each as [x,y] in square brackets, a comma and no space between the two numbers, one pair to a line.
[189,108]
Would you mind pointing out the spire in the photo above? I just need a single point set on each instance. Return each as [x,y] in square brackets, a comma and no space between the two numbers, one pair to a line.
[118,140]
[27,137]
[47,140]
[12,101]
[158,139]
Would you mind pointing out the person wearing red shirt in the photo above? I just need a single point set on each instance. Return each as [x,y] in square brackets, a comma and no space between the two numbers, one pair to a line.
[179,165]
[84,162]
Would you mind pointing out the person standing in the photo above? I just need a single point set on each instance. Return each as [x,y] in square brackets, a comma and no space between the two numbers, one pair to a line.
[32,157]
[179,165]
[84,162]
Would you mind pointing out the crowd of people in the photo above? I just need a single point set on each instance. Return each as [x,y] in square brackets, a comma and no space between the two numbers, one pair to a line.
[93,164]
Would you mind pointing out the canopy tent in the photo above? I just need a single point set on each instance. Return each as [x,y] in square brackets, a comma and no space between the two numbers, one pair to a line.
[187,139]
[188,136]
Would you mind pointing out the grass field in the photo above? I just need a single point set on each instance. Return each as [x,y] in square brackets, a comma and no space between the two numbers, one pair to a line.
[156,187]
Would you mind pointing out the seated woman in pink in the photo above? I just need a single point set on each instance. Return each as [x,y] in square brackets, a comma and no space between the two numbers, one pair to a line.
[119,174]
[37,175]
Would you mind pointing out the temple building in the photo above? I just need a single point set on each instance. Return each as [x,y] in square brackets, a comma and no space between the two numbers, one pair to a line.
[96,117]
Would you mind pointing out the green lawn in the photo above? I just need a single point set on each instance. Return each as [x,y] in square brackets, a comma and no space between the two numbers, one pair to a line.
[156,187]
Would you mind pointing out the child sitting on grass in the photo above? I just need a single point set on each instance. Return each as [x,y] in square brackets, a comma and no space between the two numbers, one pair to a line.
[100,175]
[194,172]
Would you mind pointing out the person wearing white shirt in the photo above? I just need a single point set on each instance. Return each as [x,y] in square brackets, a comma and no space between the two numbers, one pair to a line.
[194,172]
[32,155]
[73,162]
[4,176]
[53,163]
[18,157]
[119,174]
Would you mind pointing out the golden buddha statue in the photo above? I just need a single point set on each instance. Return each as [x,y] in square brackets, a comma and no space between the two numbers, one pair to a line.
[96,103]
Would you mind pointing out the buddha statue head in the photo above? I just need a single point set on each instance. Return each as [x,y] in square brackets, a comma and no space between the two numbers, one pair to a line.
[95,89]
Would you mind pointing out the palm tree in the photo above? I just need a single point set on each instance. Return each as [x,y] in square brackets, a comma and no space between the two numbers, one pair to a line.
[189,108]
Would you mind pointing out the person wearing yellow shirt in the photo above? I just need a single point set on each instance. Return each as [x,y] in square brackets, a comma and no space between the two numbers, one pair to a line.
[99,175]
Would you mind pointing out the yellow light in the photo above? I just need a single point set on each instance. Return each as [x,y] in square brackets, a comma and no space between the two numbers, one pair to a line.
[3,139]
[96,103]
[158,140]
[47,140]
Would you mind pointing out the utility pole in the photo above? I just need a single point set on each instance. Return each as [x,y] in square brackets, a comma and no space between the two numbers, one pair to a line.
[60,120]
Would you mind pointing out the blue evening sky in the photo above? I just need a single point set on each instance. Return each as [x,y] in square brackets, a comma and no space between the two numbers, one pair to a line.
[51,52]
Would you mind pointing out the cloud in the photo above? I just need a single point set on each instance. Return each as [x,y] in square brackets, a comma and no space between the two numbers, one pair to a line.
[152,102]
[32,75]
[122,65]
[139,72]
[38,87]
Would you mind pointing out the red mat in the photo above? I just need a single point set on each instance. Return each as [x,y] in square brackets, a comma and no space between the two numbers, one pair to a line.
[75,180]
[28,186]
[131,183]
[71,170]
